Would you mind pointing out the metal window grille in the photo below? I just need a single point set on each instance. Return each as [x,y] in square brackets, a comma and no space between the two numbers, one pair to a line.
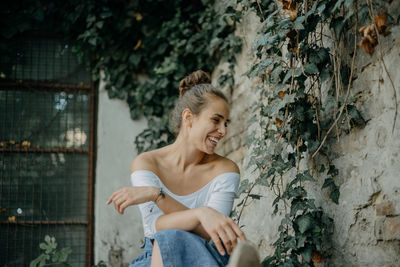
[46,151]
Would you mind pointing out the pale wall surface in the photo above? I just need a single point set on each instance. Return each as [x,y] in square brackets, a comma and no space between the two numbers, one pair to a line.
[117,238]
[367,219]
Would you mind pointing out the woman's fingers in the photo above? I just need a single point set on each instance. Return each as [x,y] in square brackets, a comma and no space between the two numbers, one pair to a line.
[112,197]
[225,239]
[232,237]
[238,231]
[123,206]
[217,243]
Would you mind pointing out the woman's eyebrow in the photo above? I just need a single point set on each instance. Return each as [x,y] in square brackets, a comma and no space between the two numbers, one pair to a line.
[222,117]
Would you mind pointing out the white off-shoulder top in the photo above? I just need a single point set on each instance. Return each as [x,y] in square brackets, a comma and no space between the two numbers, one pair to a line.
[218,194]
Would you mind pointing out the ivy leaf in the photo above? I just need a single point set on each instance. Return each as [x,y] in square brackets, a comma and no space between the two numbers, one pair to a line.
[355,116]
[335,195]
[305,222]
[325,74]
[244,186]
[328,183]
[338,25]
[310,68]
[338,4]
[264,64]
[282,103]
[301,239]
[276,73]
[262,181]
[276,200]
[275,209]
[321,8]
[297,205]
[347,3]
[306,254]
[135,59]
[307,176]
[312,10]
[298,25]
[333,170]
[255,196]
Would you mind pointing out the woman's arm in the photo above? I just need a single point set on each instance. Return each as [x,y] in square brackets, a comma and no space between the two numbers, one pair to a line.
[216,225]
[134,195]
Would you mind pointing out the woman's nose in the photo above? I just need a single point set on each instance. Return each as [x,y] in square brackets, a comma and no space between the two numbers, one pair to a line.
[222,130]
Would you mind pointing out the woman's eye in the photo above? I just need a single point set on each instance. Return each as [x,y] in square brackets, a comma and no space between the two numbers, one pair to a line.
[216,120]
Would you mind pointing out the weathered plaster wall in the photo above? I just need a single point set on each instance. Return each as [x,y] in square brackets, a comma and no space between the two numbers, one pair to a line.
[367,219]
[117,238]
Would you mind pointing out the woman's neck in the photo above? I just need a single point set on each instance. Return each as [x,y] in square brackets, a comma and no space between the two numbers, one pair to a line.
[184,155]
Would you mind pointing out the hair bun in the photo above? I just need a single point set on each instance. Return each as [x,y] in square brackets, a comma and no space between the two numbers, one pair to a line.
[194,78]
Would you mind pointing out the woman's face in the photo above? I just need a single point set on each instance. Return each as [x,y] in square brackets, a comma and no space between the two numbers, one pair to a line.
[210,125]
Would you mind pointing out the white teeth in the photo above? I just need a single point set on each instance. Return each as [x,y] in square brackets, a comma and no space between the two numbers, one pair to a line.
[213,139]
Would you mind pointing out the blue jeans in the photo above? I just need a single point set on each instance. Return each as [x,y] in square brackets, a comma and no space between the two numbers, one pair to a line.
[181,249]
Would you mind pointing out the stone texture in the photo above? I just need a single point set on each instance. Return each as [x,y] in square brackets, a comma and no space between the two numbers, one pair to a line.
[384,209]
[366,221]
[387,228]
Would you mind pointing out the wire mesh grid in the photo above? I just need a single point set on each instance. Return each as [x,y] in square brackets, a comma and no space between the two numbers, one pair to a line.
[45,154]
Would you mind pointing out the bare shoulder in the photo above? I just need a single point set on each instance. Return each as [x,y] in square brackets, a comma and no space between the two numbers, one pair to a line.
[226,165]
[144,161]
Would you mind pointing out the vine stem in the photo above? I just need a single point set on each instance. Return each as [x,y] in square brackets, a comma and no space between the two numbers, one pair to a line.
[245,201]
[342,108]
[371,14]
[259,6]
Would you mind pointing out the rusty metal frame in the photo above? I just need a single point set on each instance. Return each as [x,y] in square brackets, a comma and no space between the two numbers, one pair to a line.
[44,86]
[49,86]
[44,150]
[92,160]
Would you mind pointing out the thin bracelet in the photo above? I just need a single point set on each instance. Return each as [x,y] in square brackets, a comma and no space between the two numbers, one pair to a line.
[160,193]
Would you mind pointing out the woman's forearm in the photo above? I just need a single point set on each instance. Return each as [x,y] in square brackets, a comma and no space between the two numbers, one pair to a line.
[185,220]
[170,205]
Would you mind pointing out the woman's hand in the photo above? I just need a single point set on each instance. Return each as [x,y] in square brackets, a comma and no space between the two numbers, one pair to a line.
[132,195]
[220,227]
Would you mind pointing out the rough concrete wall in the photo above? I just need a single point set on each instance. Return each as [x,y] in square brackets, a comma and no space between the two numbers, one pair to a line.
[367,219]
[117,238]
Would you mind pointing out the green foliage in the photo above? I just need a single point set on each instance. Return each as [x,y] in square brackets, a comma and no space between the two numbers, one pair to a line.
[53,257]
[143,47]
[50,255]
[294,62]
[146,47]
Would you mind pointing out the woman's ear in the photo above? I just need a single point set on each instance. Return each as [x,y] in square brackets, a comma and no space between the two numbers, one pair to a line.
[187,117]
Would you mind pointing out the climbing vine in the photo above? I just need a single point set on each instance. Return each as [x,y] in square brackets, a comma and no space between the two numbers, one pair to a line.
[144,48]
[306,71]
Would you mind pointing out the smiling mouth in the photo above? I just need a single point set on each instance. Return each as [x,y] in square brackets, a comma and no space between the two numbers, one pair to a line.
[213,140]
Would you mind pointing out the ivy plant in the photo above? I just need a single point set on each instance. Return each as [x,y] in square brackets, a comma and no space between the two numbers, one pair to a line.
[304,98]
[144,48]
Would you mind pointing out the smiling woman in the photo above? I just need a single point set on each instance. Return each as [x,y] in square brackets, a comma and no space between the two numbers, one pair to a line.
[185,191]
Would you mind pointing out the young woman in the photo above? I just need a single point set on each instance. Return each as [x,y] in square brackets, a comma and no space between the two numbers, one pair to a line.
[184,190]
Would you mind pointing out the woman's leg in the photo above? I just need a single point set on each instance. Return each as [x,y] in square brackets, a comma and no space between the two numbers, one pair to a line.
[156,260]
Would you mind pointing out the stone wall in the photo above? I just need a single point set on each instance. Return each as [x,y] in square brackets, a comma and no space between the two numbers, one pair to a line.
[367,218]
